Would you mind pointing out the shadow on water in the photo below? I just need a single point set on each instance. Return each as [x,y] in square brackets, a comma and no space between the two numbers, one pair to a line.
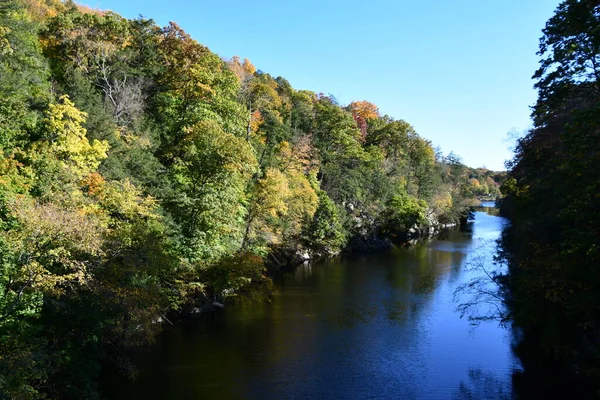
[376,326]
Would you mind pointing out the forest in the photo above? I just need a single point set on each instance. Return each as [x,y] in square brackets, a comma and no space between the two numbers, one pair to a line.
[552,198]
[140,173]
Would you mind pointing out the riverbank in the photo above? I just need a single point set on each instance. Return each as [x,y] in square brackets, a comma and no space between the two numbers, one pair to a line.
[380,325]
[285,258]
[367,240]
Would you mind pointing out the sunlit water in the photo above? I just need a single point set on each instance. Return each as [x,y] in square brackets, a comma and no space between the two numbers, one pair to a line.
[378,326]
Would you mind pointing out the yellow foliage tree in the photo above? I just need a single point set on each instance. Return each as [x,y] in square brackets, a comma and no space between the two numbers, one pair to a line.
[256,120]
[54,246]
[364,109]
[268,200]
[300,156]
[301,203]
[441,202]
[243,70]
[67,139]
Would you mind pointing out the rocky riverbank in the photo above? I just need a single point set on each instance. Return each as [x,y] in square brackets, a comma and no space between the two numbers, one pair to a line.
[368,238]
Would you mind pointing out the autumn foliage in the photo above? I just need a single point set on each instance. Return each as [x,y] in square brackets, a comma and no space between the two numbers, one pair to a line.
[141,173]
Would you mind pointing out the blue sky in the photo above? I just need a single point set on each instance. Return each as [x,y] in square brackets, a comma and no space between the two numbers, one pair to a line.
[458,71]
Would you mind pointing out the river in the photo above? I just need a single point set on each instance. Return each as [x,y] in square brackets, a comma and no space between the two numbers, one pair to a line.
[360,327]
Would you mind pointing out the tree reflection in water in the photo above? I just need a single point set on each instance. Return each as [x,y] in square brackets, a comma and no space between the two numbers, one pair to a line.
[483,386]
[484,297]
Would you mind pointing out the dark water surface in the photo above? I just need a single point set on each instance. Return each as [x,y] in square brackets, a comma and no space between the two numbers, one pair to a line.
[368,327]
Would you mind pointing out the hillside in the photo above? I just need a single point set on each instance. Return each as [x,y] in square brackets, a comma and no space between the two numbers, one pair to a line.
[140,172]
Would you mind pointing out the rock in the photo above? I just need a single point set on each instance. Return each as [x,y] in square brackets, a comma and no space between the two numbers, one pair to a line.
[367,243]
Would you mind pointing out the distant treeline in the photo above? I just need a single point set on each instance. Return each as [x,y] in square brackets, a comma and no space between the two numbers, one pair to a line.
[140,171]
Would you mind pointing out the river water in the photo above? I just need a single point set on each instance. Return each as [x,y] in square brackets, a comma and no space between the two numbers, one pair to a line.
[364,327]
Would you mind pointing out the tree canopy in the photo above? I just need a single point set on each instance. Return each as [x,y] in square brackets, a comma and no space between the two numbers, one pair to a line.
[141,173]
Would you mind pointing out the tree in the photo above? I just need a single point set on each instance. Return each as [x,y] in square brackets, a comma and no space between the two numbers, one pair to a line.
[67,139]
[196,85]
[244,70]
[210,177]
[570,49]
[404,212]
[268,200]
[326,232]
[551,197]
[363,112]
[51,249]
[422,167]
[24,77]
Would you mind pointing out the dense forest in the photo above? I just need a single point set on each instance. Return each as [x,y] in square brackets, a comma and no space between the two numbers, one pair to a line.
[140,172]
[553,197]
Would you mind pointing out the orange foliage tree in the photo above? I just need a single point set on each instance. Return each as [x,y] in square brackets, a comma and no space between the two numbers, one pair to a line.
[362,112]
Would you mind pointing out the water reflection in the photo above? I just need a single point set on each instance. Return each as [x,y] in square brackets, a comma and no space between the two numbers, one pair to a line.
[483,386]
[489,207]
[377,326]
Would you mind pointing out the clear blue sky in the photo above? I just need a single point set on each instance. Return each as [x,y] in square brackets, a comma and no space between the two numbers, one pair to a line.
[458,71]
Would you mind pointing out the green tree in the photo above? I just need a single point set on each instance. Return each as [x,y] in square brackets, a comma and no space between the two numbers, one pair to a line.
[326,232]
[210,179]
[404,212]
[24,77]
[570,51]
